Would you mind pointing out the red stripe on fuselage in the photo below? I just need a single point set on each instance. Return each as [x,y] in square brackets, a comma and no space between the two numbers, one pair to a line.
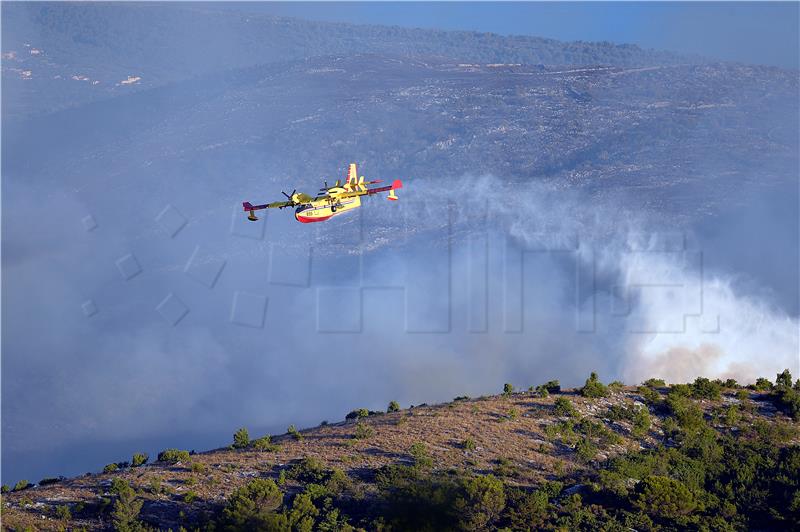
[306,220]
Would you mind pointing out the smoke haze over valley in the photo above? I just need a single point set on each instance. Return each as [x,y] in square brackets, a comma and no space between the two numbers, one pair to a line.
[567,208]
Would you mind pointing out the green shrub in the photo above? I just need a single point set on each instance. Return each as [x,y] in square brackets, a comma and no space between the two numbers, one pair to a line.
[552,386]
[703,388]
[564,407]
[253,507]
[616,386]
[265,444]
[480,502]
[294,433]
[620,412]
[357,413]
[421,457]
[199,467]
[394,406]
[189,496]
[663,497]
[241,439]
[784,379]
[63,513]
[462,398]
[785,396]
[529,513]
[21,485]
[593,387]
[593,429]
[513,414]
[641,422]
[650,396]
[654,383]
[363,431]
[139,459]
[5,488]
[504,467]
[542,391]
[670,427]
[731,384]
[762,384]
[126,506]
[683,390]
[110,468]
[173,456]
[337,483]
[688,415]
[154,485]
[742,395]
[468,444]
[552,431]
[732,416]
[303,513]
[508,389]
[309,469]
[586,450]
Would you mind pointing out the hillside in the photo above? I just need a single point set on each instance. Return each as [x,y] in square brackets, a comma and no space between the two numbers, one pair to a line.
[710,454]
[59,55]
[678,135]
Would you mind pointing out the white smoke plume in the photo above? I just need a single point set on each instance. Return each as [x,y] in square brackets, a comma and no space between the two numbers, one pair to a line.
[677,317]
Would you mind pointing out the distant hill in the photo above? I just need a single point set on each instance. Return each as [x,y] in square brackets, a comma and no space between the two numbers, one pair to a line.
[606,128]
[90,50]
[708,454]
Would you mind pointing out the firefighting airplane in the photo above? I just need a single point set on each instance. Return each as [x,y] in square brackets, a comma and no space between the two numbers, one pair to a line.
[330,202]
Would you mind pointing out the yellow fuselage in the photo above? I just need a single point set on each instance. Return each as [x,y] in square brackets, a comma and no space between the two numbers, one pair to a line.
[325,209]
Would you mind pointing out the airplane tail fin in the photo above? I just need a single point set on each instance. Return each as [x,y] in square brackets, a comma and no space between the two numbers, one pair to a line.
[389,188]
[395,185]
[248,207]
[352,176]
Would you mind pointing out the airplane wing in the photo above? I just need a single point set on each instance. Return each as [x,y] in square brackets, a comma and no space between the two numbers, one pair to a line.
[250,208]
[364,191]
[342,195]
[277,205]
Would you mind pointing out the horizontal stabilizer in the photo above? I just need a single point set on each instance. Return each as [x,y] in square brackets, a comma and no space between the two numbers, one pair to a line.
[389,188]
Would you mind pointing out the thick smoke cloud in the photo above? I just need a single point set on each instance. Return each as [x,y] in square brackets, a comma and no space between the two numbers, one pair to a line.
[682,318]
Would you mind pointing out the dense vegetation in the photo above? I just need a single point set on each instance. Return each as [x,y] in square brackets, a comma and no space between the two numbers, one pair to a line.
[708,465]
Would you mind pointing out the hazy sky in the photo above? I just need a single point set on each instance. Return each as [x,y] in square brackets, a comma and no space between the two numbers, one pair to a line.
[749,32]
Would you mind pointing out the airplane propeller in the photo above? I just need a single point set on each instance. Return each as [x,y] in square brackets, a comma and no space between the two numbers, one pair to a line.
[291,202]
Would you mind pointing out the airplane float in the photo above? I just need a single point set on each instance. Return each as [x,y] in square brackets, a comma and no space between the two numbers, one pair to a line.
[330,202]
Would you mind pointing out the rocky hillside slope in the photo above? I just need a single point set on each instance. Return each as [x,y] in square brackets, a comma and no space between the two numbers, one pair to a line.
[59,54]
[710,455]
